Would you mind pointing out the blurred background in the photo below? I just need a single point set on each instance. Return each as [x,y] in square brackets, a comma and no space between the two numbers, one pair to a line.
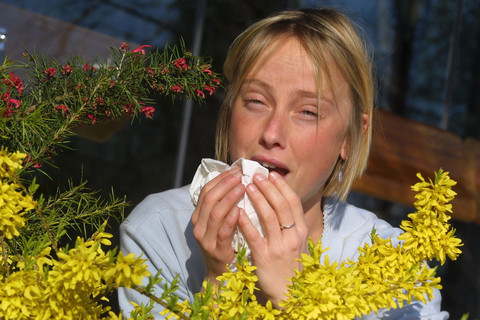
[427,56]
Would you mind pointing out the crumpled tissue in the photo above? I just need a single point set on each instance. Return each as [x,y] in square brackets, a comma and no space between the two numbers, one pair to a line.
[209,169]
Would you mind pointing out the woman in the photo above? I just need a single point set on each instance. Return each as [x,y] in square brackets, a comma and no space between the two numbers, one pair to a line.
[299,101]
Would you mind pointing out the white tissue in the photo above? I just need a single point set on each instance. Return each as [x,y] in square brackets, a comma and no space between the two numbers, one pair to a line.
[209,169]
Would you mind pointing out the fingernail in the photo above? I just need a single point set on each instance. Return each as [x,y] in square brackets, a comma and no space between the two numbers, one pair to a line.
[251,188]
[274,175]
[239,188]
[259,177]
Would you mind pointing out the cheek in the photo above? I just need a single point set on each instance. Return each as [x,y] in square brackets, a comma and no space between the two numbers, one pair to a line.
[238,136]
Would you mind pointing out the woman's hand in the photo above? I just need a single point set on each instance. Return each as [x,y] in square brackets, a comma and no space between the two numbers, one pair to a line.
[276,254]
[215,219]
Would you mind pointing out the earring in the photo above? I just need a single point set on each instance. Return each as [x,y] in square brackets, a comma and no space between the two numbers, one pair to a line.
[340,173]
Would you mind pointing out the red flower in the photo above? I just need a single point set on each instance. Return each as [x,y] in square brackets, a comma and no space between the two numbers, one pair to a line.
[148,111]
[210,89]
[50,72]
[7,113]
[14,103]
[140,49]
[14,81]
[87,67]
[216,81]
[208,71]
[67,69]
[6,96]
[177,88]
[150,71]
[124,46]
[37,165]
[181,64]
[92,117]
[200,93]
[128,108]
[61,107]
[100,101]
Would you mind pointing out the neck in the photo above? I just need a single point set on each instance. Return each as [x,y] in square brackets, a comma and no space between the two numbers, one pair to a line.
[314,219]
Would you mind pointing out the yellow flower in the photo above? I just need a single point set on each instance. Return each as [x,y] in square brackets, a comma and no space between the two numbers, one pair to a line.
[14,203]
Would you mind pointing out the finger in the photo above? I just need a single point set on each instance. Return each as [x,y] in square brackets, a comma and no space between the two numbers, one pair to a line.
[292,198]
[280,204]
[221,184]
[219,215]
[266,214]
[250,233]
[227,230]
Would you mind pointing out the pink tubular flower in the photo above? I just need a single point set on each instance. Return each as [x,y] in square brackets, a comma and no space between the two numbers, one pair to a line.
[148,112]
[210,89]
[50,72]
[100,101]
[177,88]
[6,96]
[200,93]
[140,49]
[37,165]
[67,69]
[181,64]
[61,107]
[14,81]
[92,117]
[150,71]
[128,108]
[14,103]
[216,81]
[124,46]
[208,71]
[87,67]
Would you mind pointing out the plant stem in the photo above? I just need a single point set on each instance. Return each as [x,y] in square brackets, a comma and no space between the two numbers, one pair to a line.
[159,301]
[4,254]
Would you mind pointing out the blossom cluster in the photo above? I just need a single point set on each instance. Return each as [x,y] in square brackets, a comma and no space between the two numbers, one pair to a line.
[387,274]
[10,95]
[39,112]
[69,284]
[428,230]
[14,201]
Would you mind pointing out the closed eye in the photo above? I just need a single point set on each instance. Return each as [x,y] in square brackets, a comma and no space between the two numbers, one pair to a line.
[310,113]
[254,101]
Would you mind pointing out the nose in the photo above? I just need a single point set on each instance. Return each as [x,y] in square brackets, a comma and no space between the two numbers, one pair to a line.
[274,132]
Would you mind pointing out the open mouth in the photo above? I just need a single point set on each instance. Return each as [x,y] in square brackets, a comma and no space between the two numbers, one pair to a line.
[271,167]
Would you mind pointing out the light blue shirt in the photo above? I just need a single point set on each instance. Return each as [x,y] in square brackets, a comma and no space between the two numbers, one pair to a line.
[160,229]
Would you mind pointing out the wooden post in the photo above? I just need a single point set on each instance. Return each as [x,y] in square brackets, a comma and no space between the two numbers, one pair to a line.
[402,147]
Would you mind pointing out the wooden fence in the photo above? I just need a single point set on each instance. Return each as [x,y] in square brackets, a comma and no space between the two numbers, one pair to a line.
[402,147]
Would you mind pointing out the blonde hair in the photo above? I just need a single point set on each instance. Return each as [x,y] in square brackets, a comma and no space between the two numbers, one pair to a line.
[327,35]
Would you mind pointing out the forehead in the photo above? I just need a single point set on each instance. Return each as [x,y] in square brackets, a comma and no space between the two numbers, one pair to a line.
[288,55]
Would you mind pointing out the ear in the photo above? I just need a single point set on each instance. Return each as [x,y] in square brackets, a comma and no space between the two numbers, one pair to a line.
[344,149]
[366,123]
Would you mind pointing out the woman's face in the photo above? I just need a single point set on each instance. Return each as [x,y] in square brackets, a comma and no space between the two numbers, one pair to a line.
[276,120]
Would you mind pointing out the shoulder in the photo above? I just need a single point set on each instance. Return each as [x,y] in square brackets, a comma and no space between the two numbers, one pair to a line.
[174,201]
[162,207]
[348,220]
[347,227]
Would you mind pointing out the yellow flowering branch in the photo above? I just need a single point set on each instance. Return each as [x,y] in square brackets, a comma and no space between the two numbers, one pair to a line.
[387,274]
